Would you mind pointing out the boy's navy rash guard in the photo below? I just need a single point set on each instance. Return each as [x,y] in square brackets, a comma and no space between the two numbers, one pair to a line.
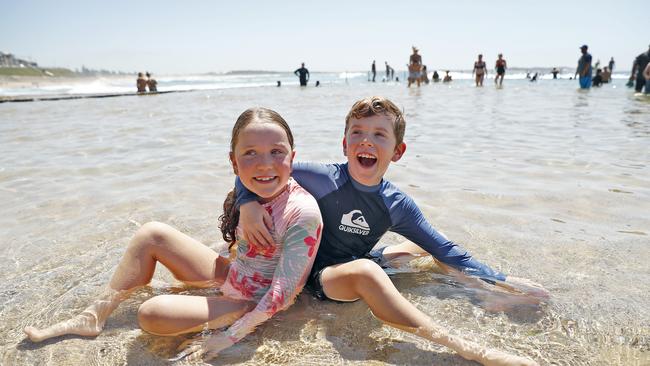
[356,216]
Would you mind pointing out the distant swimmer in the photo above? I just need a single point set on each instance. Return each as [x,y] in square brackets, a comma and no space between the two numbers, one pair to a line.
[646,75]
[387,70]
[152,84]
[141,83]
[425,75]
[317,83]
[447,78]
[500,67]
[435,77]
[640,63]
[303,74]
[584,68]
[607,75]
[598,79]
[555,71]
[415,67]
[534,78]
[480,70]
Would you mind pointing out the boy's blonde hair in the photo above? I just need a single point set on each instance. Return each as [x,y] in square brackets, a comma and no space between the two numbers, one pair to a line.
[372,106]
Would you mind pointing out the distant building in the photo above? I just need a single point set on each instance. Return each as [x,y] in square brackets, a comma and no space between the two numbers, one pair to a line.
[9,60]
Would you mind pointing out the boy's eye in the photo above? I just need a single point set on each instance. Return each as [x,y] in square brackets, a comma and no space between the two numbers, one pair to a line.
[277,151]
[380,134]
[250,153]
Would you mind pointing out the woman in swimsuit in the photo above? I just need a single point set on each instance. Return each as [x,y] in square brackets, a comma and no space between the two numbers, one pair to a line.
[501,70]
[480,70]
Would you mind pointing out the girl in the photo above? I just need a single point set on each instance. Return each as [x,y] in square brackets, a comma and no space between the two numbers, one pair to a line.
[255,285]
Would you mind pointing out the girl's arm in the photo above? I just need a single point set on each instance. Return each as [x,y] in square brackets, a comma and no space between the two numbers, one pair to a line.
[300,244]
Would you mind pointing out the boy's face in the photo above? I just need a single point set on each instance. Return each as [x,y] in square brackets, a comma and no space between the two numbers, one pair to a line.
[370,146]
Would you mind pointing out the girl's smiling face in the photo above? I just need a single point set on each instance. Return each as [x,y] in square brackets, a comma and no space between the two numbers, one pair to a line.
[262,159]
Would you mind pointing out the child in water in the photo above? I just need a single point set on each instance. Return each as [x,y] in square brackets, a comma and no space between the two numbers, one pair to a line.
[255,285]
[359,206]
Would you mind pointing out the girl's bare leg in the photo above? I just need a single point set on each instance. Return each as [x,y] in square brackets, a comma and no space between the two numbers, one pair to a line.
[177,314]
[187,259]
[364,279]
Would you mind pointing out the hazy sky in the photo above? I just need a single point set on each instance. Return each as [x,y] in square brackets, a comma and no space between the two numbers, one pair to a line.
[329,35]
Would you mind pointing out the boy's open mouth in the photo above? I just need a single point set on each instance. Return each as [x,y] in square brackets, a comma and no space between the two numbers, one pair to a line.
[366,160]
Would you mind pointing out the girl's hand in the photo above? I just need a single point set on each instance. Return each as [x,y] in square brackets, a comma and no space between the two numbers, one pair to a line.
[200,347]
[255,222]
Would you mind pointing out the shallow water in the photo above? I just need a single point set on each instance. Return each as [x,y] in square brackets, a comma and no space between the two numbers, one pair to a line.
[540,181]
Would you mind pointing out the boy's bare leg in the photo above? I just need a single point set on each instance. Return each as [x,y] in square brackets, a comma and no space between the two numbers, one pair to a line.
[187,259]
[364,279]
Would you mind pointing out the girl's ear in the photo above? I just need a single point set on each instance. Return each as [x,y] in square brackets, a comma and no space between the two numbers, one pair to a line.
[233,162]
[293,155]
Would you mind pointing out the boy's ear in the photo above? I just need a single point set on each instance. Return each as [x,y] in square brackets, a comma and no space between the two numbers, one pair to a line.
[399,152]
[233,162]
[345,147]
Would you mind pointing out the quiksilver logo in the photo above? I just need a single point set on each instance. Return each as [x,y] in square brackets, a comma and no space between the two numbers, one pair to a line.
[354,223]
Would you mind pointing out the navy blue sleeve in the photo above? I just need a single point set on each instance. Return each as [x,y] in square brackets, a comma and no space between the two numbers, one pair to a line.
[317,179]
[242,193]
[408,221]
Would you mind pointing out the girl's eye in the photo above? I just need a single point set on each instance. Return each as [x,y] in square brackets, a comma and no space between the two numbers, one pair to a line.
[356,132]
[380,134]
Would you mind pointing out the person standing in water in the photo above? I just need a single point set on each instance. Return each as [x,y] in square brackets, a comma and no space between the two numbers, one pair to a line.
[480,70]
[141,83]
[415,67]
[500,67]
[303,74]
[373,70]
[611,64]
[555,71]
[152,84]
[584,68]
[640,63]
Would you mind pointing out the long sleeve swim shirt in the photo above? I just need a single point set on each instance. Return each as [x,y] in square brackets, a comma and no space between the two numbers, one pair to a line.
[356,216]
[274,277]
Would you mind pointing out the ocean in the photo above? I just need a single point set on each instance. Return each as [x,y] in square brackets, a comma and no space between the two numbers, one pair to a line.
[538,180]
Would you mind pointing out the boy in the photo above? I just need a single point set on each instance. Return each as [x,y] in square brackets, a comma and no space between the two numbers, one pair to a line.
[358,206]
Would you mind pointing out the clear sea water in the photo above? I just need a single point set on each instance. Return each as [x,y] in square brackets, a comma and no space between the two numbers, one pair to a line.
[539,180]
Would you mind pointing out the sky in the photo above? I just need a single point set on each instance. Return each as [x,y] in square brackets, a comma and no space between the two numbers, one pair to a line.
[188,37]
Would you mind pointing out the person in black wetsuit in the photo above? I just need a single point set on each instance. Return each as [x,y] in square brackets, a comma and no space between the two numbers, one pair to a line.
[640,63]
[303,74]
[373,69]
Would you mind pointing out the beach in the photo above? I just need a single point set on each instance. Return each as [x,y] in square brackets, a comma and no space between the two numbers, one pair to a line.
[538,180]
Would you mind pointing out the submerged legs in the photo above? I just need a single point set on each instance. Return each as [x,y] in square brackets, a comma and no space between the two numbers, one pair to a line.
[187,259]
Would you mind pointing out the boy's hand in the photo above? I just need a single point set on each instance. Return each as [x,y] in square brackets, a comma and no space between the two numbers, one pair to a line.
[255,222]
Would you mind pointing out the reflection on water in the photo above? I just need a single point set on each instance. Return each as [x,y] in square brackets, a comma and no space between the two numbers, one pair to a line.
[538,180]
